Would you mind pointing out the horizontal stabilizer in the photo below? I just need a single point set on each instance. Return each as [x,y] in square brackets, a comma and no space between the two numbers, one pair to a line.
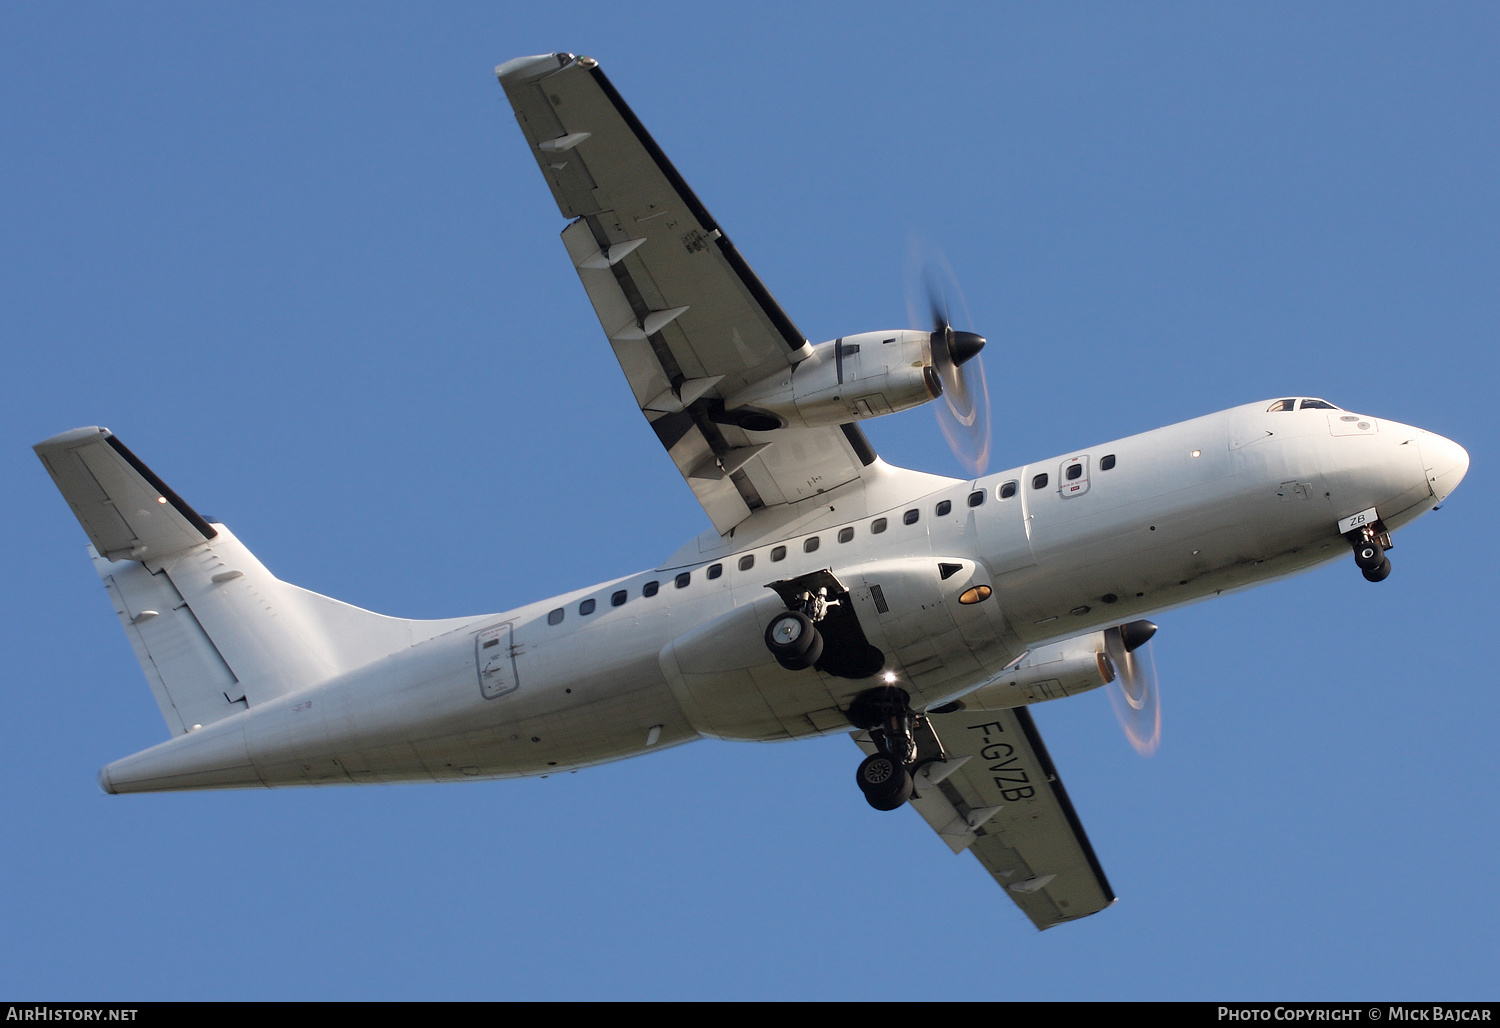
[126,510]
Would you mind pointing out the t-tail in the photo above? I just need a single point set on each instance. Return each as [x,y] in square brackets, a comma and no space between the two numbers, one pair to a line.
[214,631]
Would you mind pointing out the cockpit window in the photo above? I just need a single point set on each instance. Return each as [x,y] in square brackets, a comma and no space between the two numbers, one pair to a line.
[1306,404]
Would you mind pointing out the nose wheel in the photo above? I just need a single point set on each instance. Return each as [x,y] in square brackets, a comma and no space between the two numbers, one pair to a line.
[1369,555]
[1370,544]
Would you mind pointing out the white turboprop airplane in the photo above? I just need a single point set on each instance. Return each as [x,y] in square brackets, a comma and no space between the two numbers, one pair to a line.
[833,594]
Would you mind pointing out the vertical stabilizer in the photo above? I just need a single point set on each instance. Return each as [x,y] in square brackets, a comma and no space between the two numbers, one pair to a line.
[214,631]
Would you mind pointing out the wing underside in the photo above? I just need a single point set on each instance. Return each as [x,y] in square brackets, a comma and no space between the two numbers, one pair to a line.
[688,320]
[999,797]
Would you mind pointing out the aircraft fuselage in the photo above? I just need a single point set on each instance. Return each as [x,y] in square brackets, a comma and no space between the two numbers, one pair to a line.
[1067,546]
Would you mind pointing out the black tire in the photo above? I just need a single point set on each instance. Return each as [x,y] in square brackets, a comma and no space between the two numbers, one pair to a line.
[790,635]
[1378,574]
[895,802]
[809,658]
[884,781]
[1369,557]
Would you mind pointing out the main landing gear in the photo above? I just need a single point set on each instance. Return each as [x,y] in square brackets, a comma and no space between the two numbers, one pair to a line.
[820,629]
[1370,544]
[904,741]
[793,637]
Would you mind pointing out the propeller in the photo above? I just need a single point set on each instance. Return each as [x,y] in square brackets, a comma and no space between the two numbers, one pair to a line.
[963,410]
[1134,691]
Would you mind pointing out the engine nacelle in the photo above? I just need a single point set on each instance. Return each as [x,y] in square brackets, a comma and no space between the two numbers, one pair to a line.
[861,376]
[1048,673]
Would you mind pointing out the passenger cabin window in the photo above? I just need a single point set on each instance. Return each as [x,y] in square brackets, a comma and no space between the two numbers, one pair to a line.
[911,516]
[877,526]
[779,553]
[808,545]
[649,589]
[683,579]
[715,570]
[618,598]
[1075,477]
[555,617]
[944,507]
[845,534]
[747,562]
[1106,462]
[1008,490]
[1281,405]
[587,606]
[1040,481]
[976,497]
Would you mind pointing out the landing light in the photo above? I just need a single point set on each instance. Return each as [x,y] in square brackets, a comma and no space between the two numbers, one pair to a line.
[977,594]
[1197,453]
[161,499]
[890,677]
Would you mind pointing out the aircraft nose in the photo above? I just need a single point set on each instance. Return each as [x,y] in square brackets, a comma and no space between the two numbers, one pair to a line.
[1447,463]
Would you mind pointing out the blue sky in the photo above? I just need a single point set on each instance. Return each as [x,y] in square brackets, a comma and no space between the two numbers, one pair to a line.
[297,257]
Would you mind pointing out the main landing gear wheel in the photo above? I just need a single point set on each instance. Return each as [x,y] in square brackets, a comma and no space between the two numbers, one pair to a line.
[794,640]
[884,780]
[1378,573]
[1370,556]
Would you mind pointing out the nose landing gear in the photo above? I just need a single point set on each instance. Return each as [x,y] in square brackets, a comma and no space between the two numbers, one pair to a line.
[1370,543]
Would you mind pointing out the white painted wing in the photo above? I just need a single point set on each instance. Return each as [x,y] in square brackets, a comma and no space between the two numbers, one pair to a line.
[688,320]
[1006,805]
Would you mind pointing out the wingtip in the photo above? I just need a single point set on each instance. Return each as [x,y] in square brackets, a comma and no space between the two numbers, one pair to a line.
[537,64]
[71,436]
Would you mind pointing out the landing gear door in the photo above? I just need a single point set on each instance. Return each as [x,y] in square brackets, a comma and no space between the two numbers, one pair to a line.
[494,655]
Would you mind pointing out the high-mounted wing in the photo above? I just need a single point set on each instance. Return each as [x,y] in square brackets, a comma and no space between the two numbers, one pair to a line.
[999,797]
[689,321]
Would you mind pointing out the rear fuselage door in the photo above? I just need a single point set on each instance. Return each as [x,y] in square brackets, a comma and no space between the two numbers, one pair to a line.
[496,660]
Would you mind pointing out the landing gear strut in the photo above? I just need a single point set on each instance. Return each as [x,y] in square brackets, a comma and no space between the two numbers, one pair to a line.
[1370,543]
[903,739]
